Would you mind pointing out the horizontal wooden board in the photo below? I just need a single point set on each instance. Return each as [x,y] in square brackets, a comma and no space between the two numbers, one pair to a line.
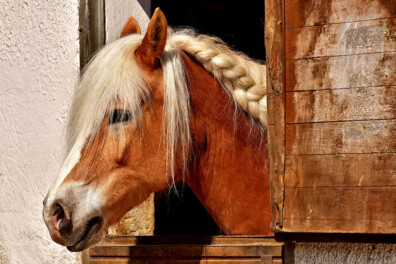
[341,137]
[300,13]
[367,70]
[372,209]
[341,170]
[338,226]
[173,261]
[177,252]
[187,240]
[341,105]
[341,39]
[186,249]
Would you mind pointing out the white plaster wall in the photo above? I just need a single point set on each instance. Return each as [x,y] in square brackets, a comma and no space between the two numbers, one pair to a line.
[39,67]
[345,253]
[117,13]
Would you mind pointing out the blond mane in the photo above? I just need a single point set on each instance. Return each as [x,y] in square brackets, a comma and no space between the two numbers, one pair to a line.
[240,75]
[114,74]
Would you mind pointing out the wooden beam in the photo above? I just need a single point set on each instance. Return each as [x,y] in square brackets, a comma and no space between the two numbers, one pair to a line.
[274,43]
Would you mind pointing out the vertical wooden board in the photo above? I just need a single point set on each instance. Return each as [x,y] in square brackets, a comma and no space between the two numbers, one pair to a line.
[274,43]
[341,170]
[341,39]
[315,12]
[367,70]
[271,111]
[362,205]
[341,137]
[341,105]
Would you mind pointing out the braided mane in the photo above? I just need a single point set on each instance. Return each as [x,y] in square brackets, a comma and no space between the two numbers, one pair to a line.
[243,77]
[113,73]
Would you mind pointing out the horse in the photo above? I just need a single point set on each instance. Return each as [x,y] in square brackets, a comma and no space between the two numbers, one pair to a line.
[153,110]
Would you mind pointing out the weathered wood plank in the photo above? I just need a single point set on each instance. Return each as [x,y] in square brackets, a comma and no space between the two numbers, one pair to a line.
[187,240]
[174,261]
[314,12]
[274,43]
[341,137]
[271,112]
[367,70]
[365,226]
[341,39]
[277,261]
[182,252]
[341,105]
[341,170]
[329,209]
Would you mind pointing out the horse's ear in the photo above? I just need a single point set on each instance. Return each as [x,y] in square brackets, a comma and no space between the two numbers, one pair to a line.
[154,41]
[130,27]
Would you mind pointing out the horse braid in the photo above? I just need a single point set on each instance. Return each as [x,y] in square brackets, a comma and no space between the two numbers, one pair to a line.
[243,77]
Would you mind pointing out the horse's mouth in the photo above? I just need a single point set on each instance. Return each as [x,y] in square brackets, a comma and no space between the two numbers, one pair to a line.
[91,235]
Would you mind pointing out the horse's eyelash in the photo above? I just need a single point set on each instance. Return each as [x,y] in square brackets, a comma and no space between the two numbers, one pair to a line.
[119,116]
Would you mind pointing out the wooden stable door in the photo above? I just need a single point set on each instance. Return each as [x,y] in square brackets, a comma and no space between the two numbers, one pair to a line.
[332,113]
[194,250]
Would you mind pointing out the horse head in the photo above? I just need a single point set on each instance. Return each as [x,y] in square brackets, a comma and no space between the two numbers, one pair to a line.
[155,109]
[117,107]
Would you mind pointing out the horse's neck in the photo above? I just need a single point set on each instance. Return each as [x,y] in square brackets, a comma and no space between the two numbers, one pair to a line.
[230,171]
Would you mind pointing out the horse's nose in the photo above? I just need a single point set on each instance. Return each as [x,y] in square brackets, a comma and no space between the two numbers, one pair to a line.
[60,217]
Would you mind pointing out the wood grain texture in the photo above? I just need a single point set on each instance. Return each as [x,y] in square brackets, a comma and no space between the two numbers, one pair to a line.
[271,111]
[367,70]
[341,170]
[274,43]
[117,260]
[341,105]
[340,117]
[314,12]
[237,249]
[341,39]
[370,209]
[186,251]
[183,240]
[341,137]
[339,227]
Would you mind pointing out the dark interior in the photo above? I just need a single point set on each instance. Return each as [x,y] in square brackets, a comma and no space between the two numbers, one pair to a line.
[241,25]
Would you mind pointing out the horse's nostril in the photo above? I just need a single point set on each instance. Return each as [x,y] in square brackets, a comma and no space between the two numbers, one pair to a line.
[65,225]
[57,210]
[61,218]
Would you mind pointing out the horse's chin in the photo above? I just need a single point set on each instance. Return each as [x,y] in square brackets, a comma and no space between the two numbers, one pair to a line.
[92,235]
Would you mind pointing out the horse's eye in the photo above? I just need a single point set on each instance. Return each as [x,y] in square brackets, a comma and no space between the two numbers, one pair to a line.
[119,116]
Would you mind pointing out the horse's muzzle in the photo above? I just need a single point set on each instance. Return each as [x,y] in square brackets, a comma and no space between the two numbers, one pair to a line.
[76,234]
